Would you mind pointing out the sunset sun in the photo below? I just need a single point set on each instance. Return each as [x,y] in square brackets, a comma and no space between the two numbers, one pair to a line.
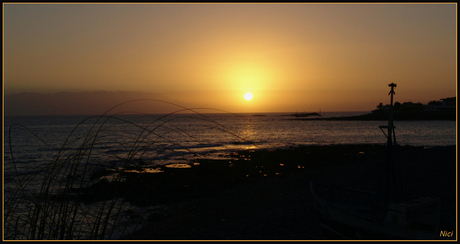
[248,96]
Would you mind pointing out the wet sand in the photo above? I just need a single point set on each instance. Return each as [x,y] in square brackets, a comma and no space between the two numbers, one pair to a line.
[268,198]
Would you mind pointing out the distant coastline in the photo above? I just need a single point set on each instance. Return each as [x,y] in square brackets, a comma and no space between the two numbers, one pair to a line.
[445,109]
[432,115]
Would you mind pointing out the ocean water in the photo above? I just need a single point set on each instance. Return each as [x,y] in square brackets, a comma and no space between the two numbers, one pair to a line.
[32,142]
[161,139]
[38,137]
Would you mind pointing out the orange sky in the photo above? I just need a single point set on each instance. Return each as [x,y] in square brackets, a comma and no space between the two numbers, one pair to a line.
[292,57]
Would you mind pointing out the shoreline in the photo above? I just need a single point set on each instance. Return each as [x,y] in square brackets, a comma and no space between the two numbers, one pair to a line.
[264,194]
[446,115]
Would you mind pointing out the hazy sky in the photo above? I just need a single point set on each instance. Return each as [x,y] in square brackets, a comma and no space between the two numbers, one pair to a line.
[292,57]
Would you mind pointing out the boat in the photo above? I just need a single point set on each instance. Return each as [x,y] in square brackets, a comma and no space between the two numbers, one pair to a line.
[385,213]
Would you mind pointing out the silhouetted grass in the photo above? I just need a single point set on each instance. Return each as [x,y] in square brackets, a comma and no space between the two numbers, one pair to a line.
[45,205]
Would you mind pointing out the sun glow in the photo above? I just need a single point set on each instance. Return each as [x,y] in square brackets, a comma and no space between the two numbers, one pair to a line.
[248,96]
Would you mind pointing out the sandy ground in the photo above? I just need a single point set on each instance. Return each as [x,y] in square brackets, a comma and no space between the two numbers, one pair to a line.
[281,207]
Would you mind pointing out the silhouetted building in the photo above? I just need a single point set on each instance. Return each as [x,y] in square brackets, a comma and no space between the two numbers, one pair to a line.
[444,104]
[411,107]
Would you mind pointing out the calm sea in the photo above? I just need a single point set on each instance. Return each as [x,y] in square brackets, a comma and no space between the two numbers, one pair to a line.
[160,139]
[112,141]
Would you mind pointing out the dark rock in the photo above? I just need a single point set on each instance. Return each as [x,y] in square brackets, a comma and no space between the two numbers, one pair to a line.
[155,217]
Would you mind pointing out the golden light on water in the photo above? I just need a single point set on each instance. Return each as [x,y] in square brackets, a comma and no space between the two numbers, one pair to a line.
[248,96]
[178,166]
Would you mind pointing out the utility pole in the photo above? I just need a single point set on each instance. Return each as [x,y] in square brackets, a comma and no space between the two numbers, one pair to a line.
[394,193]
[391,193]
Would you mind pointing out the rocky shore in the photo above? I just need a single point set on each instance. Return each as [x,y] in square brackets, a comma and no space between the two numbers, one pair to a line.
[264,194]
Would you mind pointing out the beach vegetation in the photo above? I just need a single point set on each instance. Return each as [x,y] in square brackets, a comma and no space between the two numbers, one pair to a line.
[74,195]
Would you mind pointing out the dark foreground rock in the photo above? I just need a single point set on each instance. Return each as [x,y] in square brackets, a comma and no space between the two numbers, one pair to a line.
[268,196]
